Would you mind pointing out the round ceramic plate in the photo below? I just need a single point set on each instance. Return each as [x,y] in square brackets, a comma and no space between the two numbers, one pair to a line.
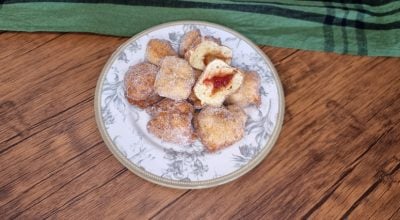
[123,126]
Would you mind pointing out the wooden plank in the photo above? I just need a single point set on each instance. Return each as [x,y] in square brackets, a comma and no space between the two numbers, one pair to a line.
[58,157]
[72,169]
[43,151]
[372,189]
[395,215]
[337,155]
[27,192]
[123,197]
[382,199]
[14,44]
[325,133]
[28,99]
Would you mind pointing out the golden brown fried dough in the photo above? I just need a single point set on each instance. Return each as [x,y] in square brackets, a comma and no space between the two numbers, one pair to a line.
[218,81]
[139,81]
[238,113]
[171,106]
[207,51]
[172,127]
[158,49]
[218,127]
[189,40]
[164,86]
[172,121]
[145,103]
[175,78]
[248,93]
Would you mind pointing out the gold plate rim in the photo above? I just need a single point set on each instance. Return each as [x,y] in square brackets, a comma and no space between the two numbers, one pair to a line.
[192,184]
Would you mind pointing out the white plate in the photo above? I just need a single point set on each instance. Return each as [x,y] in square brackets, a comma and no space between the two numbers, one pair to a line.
[123,126]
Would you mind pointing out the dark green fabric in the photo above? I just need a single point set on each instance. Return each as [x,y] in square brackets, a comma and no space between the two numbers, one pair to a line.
[371,28]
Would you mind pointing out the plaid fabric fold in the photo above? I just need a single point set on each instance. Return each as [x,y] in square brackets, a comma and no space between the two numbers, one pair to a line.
[369,27]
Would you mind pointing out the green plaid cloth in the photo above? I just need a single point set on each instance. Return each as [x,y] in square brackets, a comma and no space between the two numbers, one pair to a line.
[369,27]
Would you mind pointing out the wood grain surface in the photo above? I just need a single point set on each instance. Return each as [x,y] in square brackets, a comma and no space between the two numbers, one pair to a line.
[338,155]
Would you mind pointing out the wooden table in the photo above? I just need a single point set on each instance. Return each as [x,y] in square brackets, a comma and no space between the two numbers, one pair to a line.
[338,154]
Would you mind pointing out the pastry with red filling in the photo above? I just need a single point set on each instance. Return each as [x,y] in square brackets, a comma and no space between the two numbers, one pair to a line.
[218,81]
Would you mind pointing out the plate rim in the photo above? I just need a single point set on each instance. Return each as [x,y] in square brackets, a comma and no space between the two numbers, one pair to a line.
[188,184]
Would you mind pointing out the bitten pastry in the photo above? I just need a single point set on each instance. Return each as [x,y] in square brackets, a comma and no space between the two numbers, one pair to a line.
[248,93]
[172,121]
[193,38]
[158,49]
[197,95]
[189,40]
[175,78]
[192,97]
[207,51]
[218,127]
[218,81]
[138,82]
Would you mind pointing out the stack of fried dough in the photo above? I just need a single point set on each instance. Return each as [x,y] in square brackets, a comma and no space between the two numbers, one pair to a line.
[193,92]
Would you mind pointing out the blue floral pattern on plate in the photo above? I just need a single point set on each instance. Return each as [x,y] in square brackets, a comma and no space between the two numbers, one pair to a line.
[126,124]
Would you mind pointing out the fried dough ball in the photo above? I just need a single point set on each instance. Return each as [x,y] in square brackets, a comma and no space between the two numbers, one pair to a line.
[139,82]
[218,127]
[172,121]
[172,127]
[170,106]
[248,93]
[175,79]
[189,40]
[238,113]
[145,103]
[158,49]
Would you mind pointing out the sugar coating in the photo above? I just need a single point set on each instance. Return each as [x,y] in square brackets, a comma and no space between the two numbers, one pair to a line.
[146,102]
[139,81]
[218,127]
[158,49]
[172,121]
[175,78]
[164,87]
[238,113]
[248,93]
[189,40]
[171,106]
